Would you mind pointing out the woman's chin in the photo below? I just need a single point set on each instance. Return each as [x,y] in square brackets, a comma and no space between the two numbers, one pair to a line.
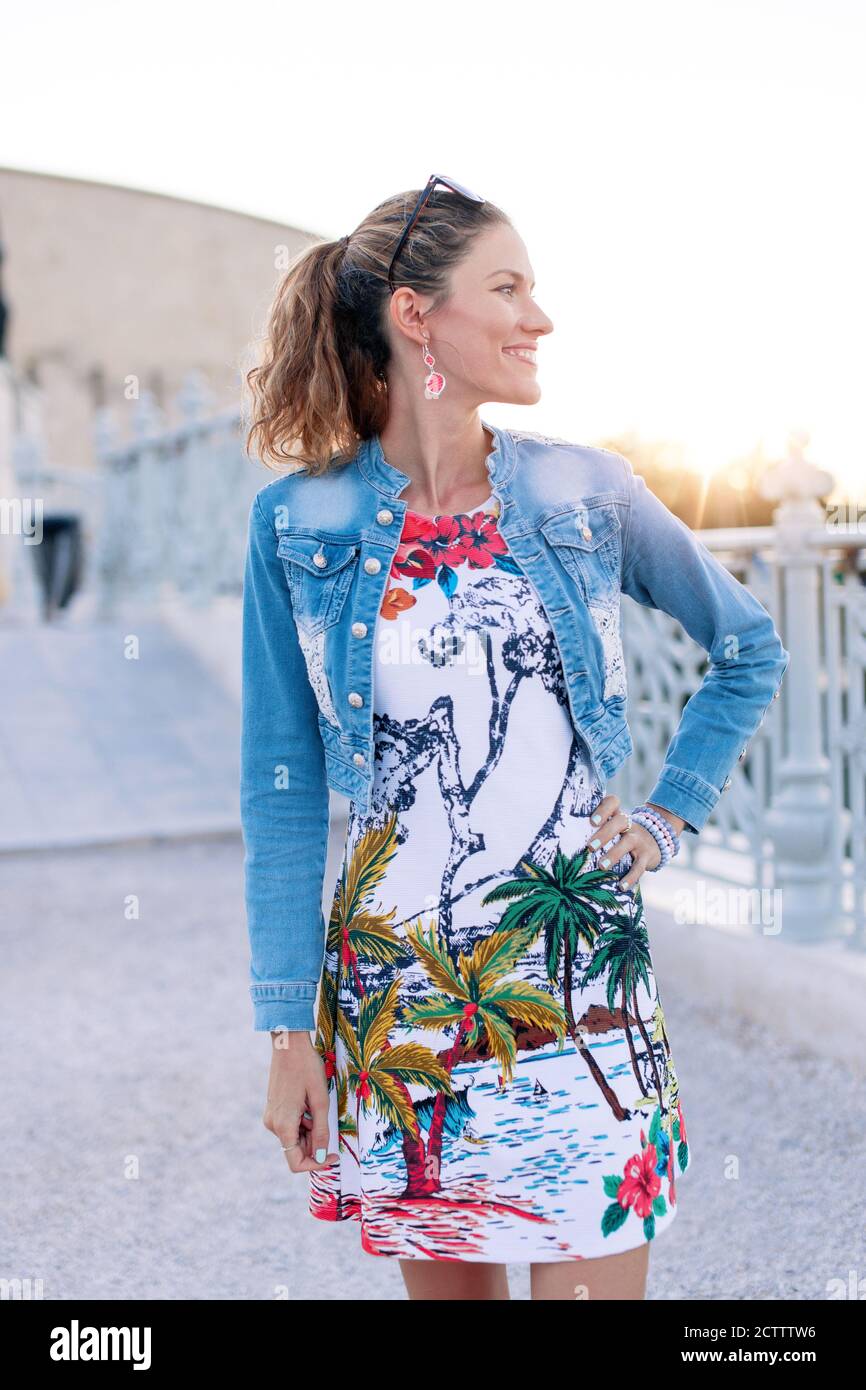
[518,395]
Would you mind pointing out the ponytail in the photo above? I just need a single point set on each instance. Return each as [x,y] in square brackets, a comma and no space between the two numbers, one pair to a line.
[322,386]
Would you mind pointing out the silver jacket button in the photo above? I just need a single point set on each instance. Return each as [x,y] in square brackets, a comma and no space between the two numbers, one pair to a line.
[372,565]
[358,758]
[776,694]
[355,699]
[727,784]
[319,560]
[359,629]
[742,755]
[384,517]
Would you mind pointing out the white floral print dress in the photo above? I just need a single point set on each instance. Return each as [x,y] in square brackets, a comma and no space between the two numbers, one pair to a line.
[501,1084]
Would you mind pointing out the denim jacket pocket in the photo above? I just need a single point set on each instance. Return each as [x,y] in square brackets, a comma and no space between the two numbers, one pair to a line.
[587,543]
[319,572]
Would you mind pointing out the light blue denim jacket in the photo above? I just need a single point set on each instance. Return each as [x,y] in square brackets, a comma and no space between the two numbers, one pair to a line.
[584,528]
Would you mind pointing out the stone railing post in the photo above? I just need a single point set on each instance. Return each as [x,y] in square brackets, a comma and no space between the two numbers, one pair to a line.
[196,543]
[112,534]
[799,821]
[27,457]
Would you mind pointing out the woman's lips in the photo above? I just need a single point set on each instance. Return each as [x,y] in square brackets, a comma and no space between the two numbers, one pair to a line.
[518,358]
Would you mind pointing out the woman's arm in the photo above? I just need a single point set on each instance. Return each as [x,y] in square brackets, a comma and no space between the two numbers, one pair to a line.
[283,794]
[665,566]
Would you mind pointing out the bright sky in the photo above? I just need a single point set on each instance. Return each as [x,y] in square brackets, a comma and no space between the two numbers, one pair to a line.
[687,175]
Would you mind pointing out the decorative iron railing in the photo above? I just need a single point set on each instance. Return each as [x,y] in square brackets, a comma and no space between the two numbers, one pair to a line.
[171,517]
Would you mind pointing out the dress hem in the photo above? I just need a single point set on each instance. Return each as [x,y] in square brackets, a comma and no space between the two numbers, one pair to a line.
[558,1257]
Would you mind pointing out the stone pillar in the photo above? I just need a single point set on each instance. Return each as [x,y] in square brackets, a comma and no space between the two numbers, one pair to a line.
[801,816]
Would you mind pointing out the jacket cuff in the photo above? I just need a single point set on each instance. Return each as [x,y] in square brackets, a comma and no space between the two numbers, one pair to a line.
[291,1006]
[687,795]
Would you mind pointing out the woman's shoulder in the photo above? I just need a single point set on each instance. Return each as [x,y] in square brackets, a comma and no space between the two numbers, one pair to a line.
[302,498]
[605,464]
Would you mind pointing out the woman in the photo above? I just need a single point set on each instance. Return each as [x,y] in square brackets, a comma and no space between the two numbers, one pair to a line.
[431,627]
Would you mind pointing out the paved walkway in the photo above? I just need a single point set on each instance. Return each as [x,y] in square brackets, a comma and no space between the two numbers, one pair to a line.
[135,1164]
[98,745]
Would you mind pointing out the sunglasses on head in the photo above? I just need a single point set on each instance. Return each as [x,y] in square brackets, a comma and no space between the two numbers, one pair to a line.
[433,180]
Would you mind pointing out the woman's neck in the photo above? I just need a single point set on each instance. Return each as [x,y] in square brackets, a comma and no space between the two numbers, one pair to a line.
[448,472]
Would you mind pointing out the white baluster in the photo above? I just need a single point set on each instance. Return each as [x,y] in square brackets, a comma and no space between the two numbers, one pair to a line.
[800,819]
[108,558]
[24,594]
[193,535]
[143,527]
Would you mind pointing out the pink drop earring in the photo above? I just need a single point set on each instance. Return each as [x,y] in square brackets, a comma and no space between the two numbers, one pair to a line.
[434,382]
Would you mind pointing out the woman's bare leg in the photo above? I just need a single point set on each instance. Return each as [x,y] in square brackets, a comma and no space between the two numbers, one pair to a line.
[455,1279]
[608,1276]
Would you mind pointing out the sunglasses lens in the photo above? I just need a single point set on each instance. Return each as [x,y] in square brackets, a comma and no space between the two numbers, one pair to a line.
[467,193]
[458,188]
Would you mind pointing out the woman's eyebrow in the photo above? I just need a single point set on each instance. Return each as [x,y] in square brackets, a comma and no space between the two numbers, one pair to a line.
[516,273]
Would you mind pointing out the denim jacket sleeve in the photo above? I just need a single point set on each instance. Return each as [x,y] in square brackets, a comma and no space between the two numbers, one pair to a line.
[283,795]
[666,566]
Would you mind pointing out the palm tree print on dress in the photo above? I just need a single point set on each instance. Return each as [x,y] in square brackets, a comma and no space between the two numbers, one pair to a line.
[567,903]
[488,1019]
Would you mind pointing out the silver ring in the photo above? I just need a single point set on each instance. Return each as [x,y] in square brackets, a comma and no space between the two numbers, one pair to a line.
[629,820]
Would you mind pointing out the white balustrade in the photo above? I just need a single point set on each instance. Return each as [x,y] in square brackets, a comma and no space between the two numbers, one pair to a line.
[172,521]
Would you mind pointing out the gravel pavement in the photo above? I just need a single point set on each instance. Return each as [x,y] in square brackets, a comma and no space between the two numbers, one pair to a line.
[136,1165]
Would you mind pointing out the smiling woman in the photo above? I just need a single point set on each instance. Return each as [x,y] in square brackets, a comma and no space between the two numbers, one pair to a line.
[491,1078]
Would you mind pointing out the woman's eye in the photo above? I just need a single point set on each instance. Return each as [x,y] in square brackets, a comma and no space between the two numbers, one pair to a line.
[508,287]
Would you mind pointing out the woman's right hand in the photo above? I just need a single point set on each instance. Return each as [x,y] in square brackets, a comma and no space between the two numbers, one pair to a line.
[297,1106]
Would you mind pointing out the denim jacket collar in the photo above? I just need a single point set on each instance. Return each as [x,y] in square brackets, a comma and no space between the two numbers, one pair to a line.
[390,480]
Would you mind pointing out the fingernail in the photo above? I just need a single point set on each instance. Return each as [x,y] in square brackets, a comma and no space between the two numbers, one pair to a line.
[596,820]
[595,844]
[605,863]
[321,1155]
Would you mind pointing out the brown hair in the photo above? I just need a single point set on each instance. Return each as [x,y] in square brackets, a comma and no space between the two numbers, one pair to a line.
[321,386]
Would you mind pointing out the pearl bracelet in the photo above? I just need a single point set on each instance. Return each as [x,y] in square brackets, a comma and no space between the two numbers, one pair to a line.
[666,829]
[658,835]
[662,832]
[663,823]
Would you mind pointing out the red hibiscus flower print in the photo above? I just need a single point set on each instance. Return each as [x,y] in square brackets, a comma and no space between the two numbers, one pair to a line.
[435,548]
[449,540]
[426,544]
[481,540]
[641,1184]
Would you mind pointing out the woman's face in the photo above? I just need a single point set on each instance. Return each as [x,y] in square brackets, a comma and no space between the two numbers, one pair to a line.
[491,312]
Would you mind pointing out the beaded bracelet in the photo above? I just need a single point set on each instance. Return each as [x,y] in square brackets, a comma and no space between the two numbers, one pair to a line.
[658,834]
[650,817]
[667,830]
[663,824]
[662,832]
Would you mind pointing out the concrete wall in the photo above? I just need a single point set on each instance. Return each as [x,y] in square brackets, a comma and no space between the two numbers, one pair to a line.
[104,283]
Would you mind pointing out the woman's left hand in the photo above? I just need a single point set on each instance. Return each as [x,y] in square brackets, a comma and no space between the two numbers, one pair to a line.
[636,841]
